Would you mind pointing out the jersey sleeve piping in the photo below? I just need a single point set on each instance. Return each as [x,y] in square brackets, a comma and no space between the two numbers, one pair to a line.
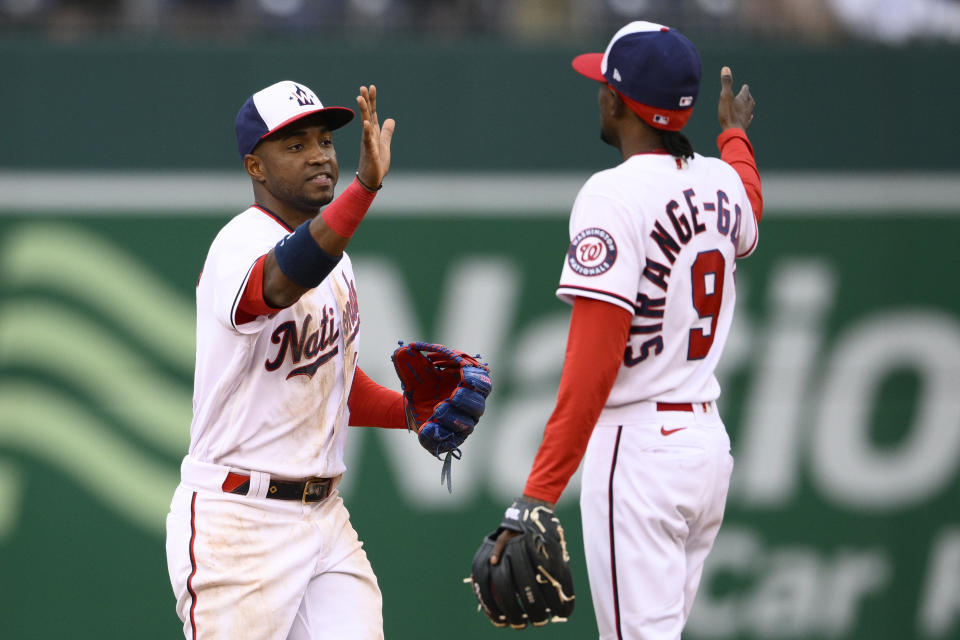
[756,237]
[596,294]
[237,298]
[252,303]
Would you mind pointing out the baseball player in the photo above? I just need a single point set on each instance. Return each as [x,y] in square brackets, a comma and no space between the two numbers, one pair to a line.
[650,274]
[259,544]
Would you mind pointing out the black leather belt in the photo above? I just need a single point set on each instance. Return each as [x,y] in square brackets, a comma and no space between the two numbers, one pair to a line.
[308,490]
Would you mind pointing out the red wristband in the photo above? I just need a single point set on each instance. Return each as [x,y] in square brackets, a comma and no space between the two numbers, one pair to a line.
[346,213]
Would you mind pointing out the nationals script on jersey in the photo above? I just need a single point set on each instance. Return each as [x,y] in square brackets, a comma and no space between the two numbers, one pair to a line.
[661,240]
[271,394]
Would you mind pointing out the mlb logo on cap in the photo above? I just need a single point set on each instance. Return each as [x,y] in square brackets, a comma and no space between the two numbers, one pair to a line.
[280,104]
[654,69]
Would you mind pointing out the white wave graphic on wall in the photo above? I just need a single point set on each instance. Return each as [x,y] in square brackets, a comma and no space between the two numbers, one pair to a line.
[51,427]
[71,261]
[99,409]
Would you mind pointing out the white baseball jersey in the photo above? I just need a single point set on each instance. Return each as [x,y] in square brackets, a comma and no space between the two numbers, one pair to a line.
[270,394]
[662,242]
[270,402]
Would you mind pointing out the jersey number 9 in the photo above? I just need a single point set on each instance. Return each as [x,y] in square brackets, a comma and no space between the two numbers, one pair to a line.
[706,280]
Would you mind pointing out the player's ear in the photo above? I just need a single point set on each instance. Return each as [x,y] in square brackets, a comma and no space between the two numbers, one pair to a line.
[610,103]
[617,106]
[254,166]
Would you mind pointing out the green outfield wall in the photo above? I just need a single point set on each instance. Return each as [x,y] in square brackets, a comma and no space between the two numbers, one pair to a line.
[840,383]
[461,104]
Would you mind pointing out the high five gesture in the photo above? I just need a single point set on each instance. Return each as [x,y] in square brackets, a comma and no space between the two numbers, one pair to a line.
[375,145]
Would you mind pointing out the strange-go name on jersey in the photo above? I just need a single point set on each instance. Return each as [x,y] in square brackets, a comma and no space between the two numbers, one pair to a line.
[634,229]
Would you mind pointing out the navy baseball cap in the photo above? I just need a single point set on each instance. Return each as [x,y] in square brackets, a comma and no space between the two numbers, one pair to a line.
[277,106]
[654,69]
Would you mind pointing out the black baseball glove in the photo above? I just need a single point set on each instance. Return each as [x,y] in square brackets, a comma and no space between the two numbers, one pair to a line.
[445,393]
[532,580]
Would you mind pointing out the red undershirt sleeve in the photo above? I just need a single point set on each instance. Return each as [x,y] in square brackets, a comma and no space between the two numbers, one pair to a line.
[373,405]
[251,302]
[598,336]
[736,150]
[344,214]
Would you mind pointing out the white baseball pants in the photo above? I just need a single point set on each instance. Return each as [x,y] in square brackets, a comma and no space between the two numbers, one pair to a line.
[653,492]
[262,569]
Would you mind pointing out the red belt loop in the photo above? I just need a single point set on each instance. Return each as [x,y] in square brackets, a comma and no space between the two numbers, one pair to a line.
[675,406]
[233,483]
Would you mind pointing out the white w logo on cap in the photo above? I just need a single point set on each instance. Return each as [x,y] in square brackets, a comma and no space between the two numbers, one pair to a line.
[302,96]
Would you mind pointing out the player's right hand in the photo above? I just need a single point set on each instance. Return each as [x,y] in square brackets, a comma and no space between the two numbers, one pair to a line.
[734,111]
[374,160]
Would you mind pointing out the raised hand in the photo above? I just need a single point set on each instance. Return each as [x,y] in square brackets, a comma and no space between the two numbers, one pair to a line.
[734,111]
[374,160]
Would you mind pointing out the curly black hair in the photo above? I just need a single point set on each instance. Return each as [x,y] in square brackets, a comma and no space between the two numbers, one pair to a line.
[677,144]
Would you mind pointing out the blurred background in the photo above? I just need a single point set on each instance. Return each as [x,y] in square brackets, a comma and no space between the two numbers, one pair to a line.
[841,380]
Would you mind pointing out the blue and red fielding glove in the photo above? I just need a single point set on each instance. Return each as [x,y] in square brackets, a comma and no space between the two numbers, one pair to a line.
[445,393]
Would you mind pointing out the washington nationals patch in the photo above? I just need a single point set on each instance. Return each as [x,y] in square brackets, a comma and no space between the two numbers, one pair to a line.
[592,252]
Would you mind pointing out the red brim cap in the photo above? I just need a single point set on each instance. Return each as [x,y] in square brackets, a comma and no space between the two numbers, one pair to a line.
[588,64]
[666,119]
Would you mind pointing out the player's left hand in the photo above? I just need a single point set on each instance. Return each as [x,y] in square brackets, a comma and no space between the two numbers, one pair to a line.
[734,111]
[374,160]
[507,534]
[521,572]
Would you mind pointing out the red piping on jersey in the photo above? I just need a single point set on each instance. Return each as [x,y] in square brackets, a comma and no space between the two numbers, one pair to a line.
[595,345]
[193,564]
[372,405]
[736,150]
[237,298]
[274,216]
[251,302]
